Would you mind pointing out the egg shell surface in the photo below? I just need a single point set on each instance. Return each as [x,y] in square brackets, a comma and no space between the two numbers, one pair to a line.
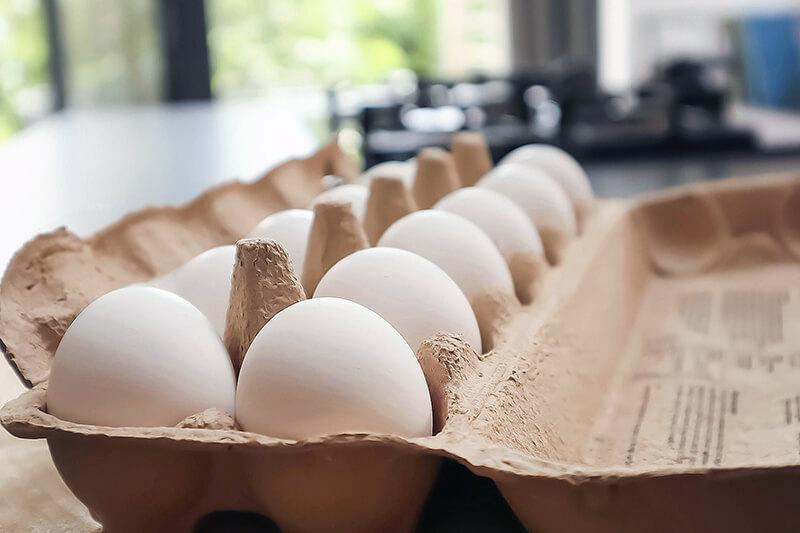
[414,295]
[559,165]
[205,281]
[536,193]
[501,219]
[455,245]
[139,357]
[328,366]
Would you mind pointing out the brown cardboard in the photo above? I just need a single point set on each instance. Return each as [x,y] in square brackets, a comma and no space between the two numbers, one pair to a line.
[471,155]
[436,177]
[527,271]
[262,285]
[592,412]
[335,233]
[494,309]
[388,201]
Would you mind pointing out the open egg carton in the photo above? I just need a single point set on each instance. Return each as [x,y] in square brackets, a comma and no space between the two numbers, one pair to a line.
[629,367]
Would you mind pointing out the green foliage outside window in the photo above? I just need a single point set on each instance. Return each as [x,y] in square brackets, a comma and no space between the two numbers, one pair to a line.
[111,48]
[255,45]
[23,64]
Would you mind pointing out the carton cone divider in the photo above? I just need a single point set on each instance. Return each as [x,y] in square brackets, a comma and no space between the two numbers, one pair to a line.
[436,177]
[335,234]
[263,284]
[472,158]
[389,200]
[444,359]
[493,309]
[527,271]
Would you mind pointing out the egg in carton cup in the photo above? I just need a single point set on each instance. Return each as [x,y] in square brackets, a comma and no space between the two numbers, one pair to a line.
[647,383]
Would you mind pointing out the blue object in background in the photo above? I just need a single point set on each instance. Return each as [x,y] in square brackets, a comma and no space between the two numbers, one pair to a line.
[771,60]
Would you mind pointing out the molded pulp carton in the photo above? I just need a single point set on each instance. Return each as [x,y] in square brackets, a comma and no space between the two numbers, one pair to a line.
[652,385]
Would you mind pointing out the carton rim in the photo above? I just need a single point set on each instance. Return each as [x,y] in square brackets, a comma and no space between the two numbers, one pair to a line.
[25,418]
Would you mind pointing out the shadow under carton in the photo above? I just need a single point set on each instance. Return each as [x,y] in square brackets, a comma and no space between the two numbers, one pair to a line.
[653,384]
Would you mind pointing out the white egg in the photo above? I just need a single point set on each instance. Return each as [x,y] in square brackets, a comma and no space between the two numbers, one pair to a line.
[559,165]
[205,281]
[405,170]
[326,366]
[537,194]
[455,245]
[501,219]
[291,228]
[408,291]
[139,356]
[356,195]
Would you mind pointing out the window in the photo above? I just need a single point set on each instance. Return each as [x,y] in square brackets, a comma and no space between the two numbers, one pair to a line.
[24,89]
[255,45]
[112,51]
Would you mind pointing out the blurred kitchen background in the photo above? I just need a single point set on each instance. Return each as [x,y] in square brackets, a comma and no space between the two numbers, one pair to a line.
[107,106]
[605,79]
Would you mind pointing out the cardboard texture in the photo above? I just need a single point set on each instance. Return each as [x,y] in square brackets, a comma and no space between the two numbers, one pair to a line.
[436,177]
[263,284]
[652,385]
[388,201]
[471,156]
[335,234]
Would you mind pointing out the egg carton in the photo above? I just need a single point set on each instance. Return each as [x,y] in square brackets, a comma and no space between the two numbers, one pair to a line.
[650,385]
